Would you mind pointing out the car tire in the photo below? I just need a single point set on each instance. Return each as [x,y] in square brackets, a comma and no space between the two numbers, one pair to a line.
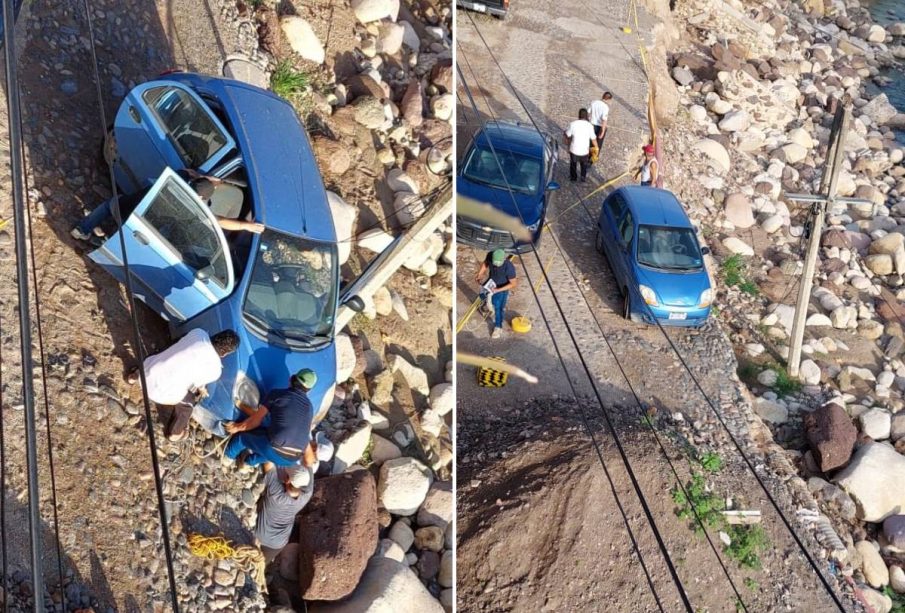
[598,243]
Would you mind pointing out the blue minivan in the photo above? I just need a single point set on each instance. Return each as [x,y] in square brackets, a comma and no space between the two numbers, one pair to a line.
[278,290]
[655,257]
[524,163]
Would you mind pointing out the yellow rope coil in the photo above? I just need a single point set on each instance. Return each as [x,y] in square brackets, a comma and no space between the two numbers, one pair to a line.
[249,559]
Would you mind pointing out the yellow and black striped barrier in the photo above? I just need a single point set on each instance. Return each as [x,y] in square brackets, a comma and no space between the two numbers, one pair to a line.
[490,377]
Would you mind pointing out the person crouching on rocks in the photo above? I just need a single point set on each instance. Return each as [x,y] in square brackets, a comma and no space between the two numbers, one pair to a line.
[286,492]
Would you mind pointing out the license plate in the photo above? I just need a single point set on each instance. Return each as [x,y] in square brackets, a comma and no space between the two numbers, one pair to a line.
[678,315]
[479,8]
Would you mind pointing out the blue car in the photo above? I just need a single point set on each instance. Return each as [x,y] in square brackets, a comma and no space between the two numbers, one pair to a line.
[526,157]
[655,256]
[278,290]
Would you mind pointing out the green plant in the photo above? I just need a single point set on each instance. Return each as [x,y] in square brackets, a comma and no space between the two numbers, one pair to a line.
[747,372]
[746,543]
[734,269]
[366,459]
[712,462]
[785,385]
[286,81]
[751,584]
[898,600]
[695,502]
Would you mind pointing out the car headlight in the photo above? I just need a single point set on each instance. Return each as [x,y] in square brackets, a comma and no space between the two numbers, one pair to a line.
[648,294]
[533,227]
[245,391]
[706,298]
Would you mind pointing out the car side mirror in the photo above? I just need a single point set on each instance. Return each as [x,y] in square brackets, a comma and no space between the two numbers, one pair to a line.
[355,303]
[202,275]
[705,250]
[552,186]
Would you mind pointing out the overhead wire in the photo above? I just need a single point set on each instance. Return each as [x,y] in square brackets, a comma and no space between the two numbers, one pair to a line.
[28,395]
[682,360]
[650,520]
[136,332]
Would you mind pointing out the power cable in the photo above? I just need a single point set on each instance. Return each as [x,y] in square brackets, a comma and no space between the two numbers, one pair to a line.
[3,546]
[41,352]
[136,331]
[650,520]
[688,369]
[28,392]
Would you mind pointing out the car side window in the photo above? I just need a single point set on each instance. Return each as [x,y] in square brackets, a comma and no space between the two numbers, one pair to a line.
[626,228]
[617,206]
[188,232]
[188,125]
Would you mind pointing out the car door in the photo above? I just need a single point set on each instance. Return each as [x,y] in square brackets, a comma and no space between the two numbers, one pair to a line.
[178,256]
[622,249]
[161,124]
[611,214]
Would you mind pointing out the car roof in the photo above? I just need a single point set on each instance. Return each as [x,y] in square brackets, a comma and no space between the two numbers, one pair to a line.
[655,207]
[512,137]
[282,172]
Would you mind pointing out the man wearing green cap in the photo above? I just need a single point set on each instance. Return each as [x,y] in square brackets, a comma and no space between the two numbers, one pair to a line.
[278,430]
[495,289]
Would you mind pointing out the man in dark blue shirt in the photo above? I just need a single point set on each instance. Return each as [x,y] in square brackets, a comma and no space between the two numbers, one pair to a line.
[496,285]
[278,430]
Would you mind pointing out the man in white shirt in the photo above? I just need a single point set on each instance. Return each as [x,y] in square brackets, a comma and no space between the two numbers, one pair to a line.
[598,115]
[579,137]
[178,375]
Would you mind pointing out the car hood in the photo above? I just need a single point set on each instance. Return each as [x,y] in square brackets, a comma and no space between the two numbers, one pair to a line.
[531,206]
[269,367]
[675,288]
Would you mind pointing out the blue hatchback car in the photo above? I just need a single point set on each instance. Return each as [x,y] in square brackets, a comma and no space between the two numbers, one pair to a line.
[527,158]
[655,256]
[278,290]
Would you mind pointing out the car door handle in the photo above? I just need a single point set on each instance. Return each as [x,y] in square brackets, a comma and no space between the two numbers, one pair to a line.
[133,113]
[141,238]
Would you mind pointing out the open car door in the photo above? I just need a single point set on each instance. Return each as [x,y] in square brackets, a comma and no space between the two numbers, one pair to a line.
[164,123]
[178,255]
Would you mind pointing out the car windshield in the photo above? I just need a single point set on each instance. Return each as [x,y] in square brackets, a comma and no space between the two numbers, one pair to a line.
[293,287]
[522,173]
[668,248]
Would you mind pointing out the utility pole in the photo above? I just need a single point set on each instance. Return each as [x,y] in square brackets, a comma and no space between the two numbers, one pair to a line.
[834,156]
[392,258]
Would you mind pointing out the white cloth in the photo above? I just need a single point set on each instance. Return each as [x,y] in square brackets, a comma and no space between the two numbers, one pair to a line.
[189,364]
[598,112]
[582,133]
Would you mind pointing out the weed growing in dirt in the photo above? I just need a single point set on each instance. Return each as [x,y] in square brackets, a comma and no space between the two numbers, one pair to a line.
[712,462]
[734,269]
[746,542]
[898,600]
[747,372]
[286,81]
[751,584]
[698,503]
[366,459]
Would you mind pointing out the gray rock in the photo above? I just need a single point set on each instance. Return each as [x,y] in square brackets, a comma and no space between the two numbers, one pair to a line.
[403,485]
[875,479]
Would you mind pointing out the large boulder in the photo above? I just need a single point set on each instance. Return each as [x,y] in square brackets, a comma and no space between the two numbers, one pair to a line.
[739,211]
[875,479]
[872,565]
[879,110]
[350,449]
[737,245]
[831,435]
[403,485]
[735,121]
[876,423]
[716,154]
[437,509]
[367,11]
[302,38]
[337,534]
[386,587]
[344,217]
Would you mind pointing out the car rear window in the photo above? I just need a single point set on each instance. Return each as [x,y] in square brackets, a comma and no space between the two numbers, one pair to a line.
[189,126]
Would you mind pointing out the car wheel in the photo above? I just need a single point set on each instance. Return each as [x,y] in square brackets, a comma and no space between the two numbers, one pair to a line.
[598,243]
[627,305]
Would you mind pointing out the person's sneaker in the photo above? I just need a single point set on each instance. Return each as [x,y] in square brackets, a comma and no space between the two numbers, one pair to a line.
[497,333]
[77,234]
